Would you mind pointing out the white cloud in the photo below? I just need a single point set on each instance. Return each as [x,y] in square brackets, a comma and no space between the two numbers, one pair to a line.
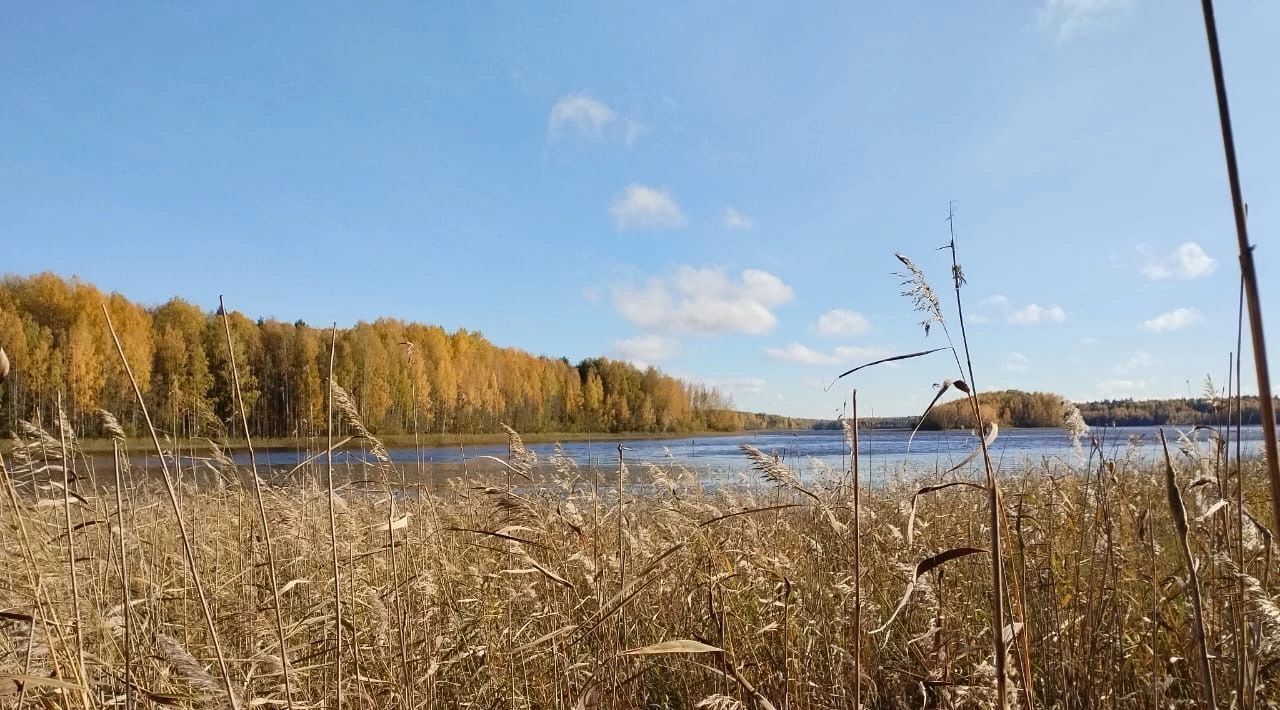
[737,221]
[842,321]
[644,207]
[644,350]
[797,353]
[1065,19]
[1032,313]
[1121,386]
[804,355]
[1139,360]
[582,113]
[1177,319]
[997,307]
[704,301]
[736,386]
[851,353]
[1017,362]
[1187,261]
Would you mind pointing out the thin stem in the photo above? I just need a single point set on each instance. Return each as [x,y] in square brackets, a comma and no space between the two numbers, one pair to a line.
[188,550]
[81,670]
[993,493]
[1247,270]
[857,559]
[333,529]
[262,509]
[124,581]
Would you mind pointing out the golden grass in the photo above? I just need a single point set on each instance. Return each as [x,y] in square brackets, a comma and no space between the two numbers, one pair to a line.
[486,594]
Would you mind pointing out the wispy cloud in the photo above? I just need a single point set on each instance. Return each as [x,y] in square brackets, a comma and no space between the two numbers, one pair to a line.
[804,355]
[704,301]
[1121,386]
[633,132]
[736,386]
[1017,362]
[1187,261]
[581,114]
[1032,313]
[851,353]
[737,221]
[586,117]
[999,307]
[842,322]
[644,350]
[644,207]
[1139,360]
[801,354]
[1066,19]
[1177,319]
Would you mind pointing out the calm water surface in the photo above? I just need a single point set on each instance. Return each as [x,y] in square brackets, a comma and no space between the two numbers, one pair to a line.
[879,450]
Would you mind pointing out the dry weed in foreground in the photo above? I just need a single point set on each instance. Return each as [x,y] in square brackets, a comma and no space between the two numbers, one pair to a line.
[513,595]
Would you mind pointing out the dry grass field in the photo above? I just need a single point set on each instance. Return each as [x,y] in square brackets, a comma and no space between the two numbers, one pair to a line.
[574,591]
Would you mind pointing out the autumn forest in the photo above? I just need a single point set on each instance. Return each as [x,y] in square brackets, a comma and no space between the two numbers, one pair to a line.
[58,341]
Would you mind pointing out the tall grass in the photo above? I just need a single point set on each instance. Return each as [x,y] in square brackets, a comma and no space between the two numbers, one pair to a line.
[741,595]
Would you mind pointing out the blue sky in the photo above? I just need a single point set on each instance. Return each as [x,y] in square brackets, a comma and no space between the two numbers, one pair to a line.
[715,189]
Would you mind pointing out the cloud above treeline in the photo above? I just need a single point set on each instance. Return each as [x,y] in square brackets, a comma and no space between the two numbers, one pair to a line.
[704,301]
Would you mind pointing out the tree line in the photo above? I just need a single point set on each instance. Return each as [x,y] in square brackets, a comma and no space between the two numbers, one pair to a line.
[1005,407]
[1155,412]
[405,377]
[1041,409]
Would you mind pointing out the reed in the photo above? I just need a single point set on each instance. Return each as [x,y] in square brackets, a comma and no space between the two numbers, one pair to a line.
[755,571]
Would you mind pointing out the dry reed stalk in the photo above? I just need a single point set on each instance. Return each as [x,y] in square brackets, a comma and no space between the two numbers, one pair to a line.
[1181,529]
[927,302]
[622,560]
[188,549]
[1250,686]
[33,580]
[1248,272]
[857,554]
[82,671]
[187,668]
[126,601]
[402,633]
[333,527]
[1240,628]
[268,544]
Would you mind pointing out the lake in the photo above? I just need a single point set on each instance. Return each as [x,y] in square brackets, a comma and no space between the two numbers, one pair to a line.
[880,450]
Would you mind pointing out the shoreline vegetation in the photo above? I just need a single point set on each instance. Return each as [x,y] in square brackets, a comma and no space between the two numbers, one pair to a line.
[570,588]
[438,441]
[394,441]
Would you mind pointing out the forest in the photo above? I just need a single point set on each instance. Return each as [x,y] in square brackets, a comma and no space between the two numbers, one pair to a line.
[1040,409]
[405,377]
[1005,407]
[1154,412]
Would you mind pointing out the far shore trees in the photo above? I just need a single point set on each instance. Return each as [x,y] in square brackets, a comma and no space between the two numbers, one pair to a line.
[459,382]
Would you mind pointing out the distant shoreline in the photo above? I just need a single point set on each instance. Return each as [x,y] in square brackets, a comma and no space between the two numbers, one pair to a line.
[396,441]
[435,441]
